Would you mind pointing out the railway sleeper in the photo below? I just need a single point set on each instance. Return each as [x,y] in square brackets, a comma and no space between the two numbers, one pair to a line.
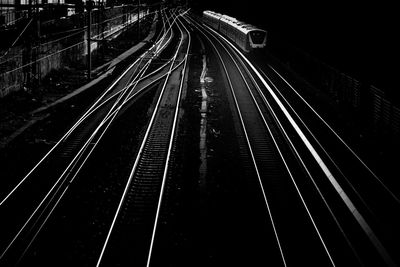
[146,183]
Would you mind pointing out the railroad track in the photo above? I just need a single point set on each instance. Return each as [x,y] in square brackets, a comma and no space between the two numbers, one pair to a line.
[46,184]
[132,234]
[290,172]
[373,196]
[300,205]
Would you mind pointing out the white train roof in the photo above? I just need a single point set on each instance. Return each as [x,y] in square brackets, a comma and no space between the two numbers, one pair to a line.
[243,27]
[212,14]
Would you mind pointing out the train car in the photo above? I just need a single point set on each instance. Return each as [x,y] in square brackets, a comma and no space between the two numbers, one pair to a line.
[212,19]
[246,36]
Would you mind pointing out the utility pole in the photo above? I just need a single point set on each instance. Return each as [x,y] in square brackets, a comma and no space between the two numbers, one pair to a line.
[89,29]
[29,48]
[138,17]
[37,65]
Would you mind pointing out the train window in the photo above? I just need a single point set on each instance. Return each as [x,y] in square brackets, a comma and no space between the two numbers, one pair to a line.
[257,37]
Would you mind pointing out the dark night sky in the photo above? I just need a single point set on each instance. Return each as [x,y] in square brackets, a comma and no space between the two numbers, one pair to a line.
[358,38]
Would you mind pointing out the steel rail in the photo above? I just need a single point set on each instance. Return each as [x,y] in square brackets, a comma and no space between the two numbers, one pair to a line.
[88,142]
[319,144]
[59,183]
[109,119]
[277,146]
[83,117]
[305,166]
[349,204]
[386,188]
[75,160]
[250,150]
[169,147]
[135,163]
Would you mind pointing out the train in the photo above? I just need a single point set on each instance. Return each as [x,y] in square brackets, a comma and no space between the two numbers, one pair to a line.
[246,36]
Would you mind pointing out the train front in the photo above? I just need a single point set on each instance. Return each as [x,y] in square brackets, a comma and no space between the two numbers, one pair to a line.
[257,38]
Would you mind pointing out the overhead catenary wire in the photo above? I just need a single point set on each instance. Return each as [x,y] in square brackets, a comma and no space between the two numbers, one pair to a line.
[47,56]
[44,44]
[79,30]
[18,37]
[14,21]
[16,15]
[42,58]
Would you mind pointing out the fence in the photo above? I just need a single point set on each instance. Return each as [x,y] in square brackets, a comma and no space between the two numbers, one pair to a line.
[370,104]
[24,66]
